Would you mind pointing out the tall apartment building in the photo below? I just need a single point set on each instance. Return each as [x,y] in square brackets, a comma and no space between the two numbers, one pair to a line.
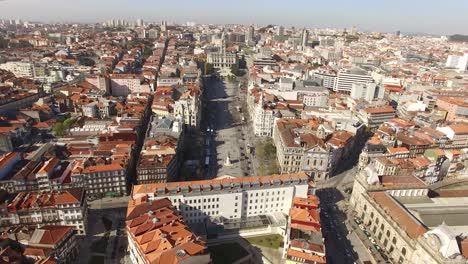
[304,38]
[21,69]
[304,242]
[230,197]
[328,79]
[156,168]
[457,108]
[100,180]
[457,134]
[66,208]
[374,117]
[158,234]
[125,84]
[459,62]
[249,38]
[346,78]
[101,82]
[367,91]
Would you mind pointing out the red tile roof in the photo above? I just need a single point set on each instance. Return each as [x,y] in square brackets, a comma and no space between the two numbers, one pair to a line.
[407,222]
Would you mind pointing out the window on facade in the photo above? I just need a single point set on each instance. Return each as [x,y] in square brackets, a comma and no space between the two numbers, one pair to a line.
[394,240]
[382,227]
[403,251]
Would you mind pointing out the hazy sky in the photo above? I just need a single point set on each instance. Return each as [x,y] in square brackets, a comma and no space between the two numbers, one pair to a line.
[430,16]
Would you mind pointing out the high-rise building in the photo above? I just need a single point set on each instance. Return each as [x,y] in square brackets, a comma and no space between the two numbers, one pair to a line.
[366,91]
[459,62]
[346,78]
[163,26]
[139,22]
[280,31]
[250,34]
[304,38]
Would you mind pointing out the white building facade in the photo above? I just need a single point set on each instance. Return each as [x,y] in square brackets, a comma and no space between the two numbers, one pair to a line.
[229,197]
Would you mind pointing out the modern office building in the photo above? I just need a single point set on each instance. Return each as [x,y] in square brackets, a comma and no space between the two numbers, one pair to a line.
[229,197]
[459,62]
[373,117]
[346,79]
[366,91]
[304,38]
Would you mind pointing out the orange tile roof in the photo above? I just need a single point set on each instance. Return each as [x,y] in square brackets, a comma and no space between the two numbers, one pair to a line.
[49,165]
[7,158]
[102,168]
[306,256]
[380,110]
[397,150]
[27,200]
[460,129]
[407,222]
[223,183]
[52,234]
[160,233]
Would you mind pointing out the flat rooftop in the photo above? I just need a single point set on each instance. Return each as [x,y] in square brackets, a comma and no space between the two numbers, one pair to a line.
[453,211]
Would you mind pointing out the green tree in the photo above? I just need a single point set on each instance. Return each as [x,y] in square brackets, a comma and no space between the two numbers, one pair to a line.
[68,122]
[59,129]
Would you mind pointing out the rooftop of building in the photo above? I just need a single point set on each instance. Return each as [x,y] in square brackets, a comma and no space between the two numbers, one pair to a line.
[407,222]
[50,199]
[160,233]
[220,184]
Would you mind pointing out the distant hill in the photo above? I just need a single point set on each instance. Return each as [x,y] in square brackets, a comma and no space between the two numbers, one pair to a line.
[458,38]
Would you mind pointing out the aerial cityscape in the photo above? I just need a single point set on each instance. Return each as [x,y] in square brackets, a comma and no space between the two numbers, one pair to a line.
[152,136]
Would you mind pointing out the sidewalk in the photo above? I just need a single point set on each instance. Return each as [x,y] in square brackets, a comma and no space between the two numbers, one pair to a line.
[361,236]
